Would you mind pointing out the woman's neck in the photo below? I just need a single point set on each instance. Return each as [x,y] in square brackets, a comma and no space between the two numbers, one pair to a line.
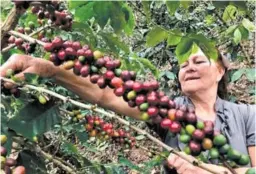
[204,103]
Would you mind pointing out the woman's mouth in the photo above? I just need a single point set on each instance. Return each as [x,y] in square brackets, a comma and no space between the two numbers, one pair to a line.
[192,78]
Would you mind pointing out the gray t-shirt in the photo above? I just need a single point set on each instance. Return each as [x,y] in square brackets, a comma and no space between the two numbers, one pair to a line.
[235,121]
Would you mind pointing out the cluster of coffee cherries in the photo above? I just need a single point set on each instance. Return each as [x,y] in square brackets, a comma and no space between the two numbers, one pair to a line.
[54,11]
[97,127]
[14,90]
[20,44]
[8,165]
[199,136]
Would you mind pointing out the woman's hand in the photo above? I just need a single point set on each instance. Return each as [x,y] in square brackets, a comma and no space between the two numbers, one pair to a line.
[28,64]
[182,166]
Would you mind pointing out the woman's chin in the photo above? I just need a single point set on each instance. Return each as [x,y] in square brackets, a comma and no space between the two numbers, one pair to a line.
[189,91]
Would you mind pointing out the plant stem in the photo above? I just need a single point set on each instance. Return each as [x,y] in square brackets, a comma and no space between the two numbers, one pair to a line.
[94,108]
[26,37]
[67,167]
[31,34]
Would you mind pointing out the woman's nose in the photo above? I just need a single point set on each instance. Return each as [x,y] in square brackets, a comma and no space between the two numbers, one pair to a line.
[191,67]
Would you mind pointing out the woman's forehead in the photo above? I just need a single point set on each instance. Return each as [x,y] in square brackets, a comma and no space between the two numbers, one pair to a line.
[197,54]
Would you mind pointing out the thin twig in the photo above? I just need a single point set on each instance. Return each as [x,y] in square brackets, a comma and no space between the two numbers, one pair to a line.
[26,37]
[31,34]
[48,156]
[96,109]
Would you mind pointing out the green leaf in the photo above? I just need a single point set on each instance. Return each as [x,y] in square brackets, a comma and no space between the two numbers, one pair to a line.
[237,75]
[174,37]
[248,25]
[172,6]
[73,4]
[114,43]
[32,162]
[129,18]
[231,29]
[237,36]
[209,19]
[69,148]
[155,36]
[220,4]
[183,49]
[185,4]
[129,164]
[229,13]
[31,78]
[88,36]
[99,10]
[35,119]
[149,65]
[118,17]
[140,137]
[146,9]
[83,12]
[170,75]
[250,74]
[244,32]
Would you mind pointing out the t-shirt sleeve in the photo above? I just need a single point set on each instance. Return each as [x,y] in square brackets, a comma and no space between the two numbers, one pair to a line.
[249,120]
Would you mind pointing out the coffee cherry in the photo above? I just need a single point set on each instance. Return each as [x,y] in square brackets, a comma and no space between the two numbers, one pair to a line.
[131,95]
[175,127]
[61,54]
[18,41]
[157,119]
[94,78]
[154,85]
[172,114]
[100,62]
[48,47]
[97,54]
[11,39]
[152,111]
[166,123]
[57,42]
[198,135]
[195,148]
[109,75]
[110,65]
[119,91]
[85,71]
[214,153]
[128,85]
[144,116]
[68,65]
[185,138]
[163,112]
[76,45]
[137,86]
[179,115]
[219,140]
[152,100]
[125,75]
[140,99]
[191,118]
[116,82]
[42,99]
[190,129]
[3,139]
[3,151]
[19,170]
[101,82]
[164,101]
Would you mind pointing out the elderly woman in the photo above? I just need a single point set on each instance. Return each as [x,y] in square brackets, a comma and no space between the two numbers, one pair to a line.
[199,78]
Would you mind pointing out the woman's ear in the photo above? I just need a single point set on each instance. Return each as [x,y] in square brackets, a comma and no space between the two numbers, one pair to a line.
[221,72]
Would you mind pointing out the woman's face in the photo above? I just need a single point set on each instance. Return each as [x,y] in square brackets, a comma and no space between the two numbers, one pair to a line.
[199,74]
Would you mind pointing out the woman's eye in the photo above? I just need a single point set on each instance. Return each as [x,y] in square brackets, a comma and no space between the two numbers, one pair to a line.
[183,66]
[198,62]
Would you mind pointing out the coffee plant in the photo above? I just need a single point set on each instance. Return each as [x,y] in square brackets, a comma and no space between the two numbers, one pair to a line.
[45,126]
